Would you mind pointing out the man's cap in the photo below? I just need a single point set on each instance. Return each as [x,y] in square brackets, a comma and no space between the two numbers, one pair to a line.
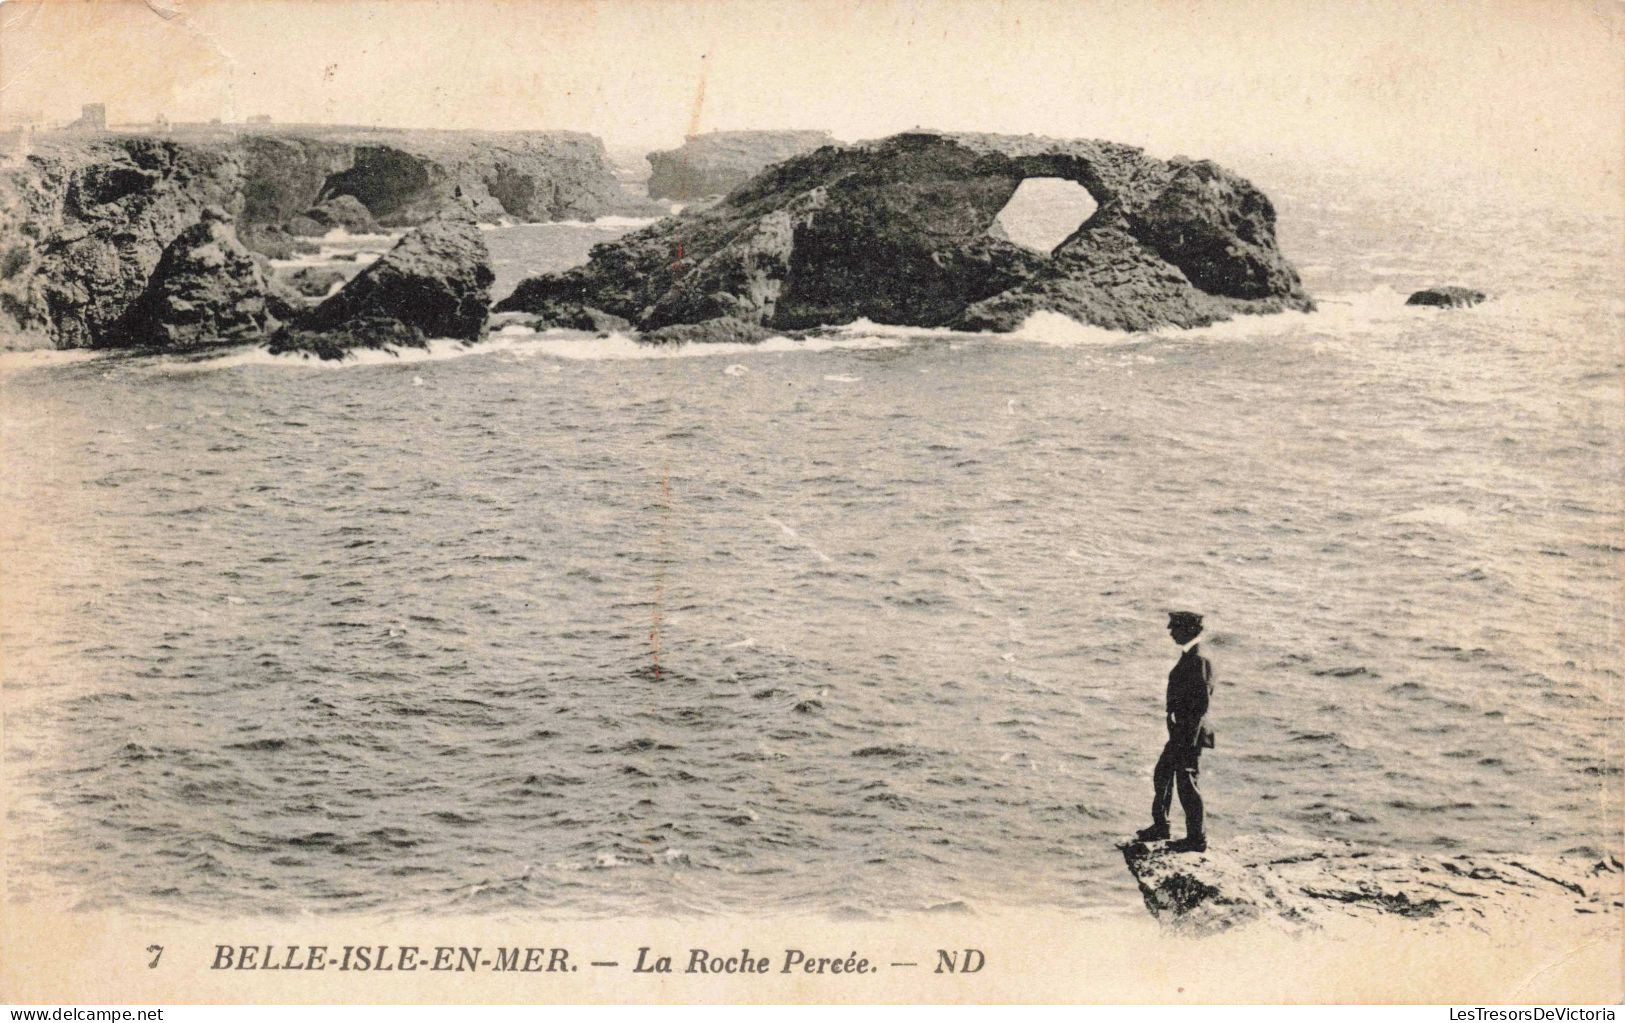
[1189,619]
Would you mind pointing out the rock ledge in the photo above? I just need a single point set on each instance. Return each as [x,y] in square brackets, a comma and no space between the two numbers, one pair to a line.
[1303,886]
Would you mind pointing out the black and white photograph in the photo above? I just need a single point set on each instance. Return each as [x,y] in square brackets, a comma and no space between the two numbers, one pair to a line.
[988,501]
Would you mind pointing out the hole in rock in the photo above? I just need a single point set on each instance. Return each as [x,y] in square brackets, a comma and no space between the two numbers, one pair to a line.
[1043,213]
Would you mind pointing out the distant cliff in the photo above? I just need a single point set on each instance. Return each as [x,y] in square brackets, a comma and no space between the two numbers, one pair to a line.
[84,220]
[719,162]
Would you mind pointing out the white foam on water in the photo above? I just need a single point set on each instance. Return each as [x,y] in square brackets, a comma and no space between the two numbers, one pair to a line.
[575,346]
[605,223]
[1062,331]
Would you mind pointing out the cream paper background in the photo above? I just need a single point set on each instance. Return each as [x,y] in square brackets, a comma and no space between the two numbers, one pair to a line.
[1527,95]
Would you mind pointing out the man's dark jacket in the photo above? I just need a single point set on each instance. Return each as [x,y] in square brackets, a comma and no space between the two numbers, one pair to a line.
[1189,686]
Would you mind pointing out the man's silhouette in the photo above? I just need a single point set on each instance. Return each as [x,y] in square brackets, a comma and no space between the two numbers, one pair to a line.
[1190,685]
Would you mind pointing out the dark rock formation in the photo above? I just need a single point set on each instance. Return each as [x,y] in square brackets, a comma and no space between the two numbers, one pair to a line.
[206,289]
[719,162]
[314,281]
[1298,886]
[84,219]
[435,283]
[526,176]
[1449,296]
[84,223]
[574,316]
[896,231]
[342,211]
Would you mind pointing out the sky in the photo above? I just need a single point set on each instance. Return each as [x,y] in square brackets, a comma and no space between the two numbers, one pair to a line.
[1526,92]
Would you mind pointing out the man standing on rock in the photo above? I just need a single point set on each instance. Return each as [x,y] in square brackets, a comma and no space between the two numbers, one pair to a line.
[1189,686]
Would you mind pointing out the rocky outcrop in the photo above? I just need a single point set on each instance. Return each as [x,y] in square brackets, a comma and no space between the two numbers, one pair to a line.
[206,289]
[896,231]
[435,283]
[526,176]
[84,219]
[1298,886]
[718,162]
[1448,296]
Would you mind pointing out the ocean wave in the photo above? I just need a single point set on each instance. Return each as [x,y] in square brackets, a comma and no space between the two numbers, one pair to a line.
[870,329]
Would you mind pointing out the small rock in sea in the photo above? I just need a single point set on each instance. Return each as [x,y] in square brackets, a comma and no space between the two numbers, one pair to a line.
[1447,297]
[736,370]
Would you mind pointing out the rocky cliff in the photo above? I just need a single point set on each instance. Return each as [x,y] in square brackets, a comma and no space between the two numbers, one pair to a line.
[84,220]
[897,231]
[719,162]
[1297,886]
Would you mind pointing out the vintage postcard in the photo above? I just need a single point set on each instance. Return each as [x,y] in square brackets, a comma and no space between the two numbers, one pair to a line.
[897,501]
